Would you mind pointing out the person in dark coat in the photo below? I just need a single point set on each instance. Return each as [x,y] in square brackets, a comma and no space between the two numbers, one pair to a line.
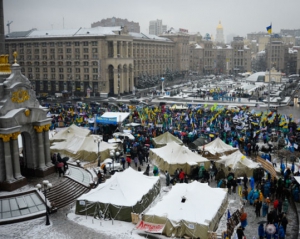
[257,205]
[261,231]
[240,232]
[284,222]
[167,178]
[281,232]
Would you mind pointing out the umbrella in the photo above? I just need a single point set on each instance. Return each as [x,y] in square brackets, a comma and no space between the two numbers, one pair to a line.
[65,159]
[270,229]
[262,222]
[60,165]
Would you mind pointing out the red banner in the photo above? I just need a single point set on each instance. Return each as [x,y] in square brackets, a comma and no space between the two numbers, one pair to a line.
[150,227]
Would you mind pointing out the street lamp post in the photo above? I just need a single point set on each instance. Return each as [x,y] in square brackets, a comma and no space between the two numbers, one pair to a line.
[113,155]
[98,140]
[119,86]
[46,186]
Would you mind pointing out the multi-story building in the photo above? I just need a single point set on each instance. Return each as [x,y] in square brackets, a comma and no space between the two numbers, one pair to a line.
[114,22]
[241,57]
[291,32]
[157,28]
[220,33]
[276,54]
[101,59]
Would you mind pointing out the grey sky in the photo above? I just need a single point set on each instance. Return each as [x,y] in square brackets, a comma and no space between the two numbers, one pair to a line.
[237,16]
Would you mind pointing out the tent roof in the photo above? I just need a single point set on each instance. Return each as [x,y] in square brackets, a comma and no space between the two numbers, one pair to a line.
[179,107]
[166,138]
[235,160]
[197,195]
[121,116]
[122,188]
[174,153]
[218,146]
[70,132]
[79,143]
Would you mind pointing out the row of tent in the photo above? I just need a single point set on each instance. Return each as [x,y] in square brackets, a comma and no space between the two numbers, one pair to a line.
[131,191]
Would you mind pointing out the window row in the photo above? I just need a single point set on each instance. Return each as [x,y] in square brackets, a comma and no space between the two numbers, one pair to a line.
[52,44]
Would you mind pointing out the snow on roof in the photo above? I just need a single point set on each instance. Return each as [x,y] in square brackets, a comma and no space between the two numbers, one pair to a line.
[292,51]
[197,46]
[197,195]
[148,36]
[218,146]
[237,160]
[124,189]
[254,77]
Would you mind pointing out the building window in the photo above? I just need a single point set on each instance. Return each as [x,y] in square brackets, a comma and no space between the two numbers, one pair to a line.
[69,63]
[85,43]
[44,63]
[95,50]
[45,69]
[60,63]
[59,44]
[52,69]
[37,57]
[77,43]
[44,44]
[85,63]
[51,44]
[36,63]
[52,63]
[28,57]
[77,50]
[37,76]
[85,50]
[77,57]
[52,57]
[69,50]
[60,50]
[86,77]
[21,51]
[61,70]
[77,70]
[69,70]
[77,63]
[94,43]
[29,69]
[86,57]
[53,76]
[28,51]
[36,44]
[44,57]
[60,57]
[69,57]
[95,77]
[95,56]
[68,43]
[37,69]
[86,70]
[45,76]
[61,76]
[95,63]
[95,70]
[28,44]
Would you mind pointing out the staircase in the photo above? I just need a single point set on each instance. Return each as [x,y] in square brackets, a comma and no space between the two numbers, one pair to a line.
[65,193]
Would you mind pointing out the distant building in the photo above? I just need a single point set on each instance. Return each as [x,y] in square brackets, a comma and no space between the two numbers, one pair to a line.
[157,28]
[220,33]
[292,32]
[114,22]
[256,35]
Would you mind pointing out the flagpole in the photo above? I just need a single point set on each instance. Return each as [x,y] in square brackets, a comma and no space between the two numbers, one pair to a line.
[269,74]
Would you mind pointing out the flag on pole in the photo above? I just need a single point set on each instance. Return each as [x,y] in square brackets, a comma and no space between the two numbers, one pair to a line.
[228,215]
[269,29]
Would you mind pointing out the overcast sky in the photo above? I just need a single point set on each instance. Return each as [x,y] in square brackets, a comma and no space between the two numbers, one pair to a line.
[238,17]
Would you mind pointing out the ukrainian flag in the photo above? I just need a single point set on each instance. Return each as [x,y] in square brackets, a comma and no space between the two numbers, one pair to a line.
[269,29]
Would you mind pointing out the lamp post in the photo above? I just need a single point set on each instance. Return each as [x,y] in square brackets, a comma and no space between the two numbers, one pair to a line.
[46,186]
[98,140]
[119,86]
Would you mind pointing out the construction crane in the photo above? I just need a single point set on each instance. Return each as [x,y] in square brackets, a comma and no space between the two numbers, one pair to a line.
[8,25]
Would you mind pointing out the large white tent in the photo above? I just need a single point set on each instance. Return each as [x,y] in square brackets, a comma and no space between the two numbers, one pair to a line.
[199,213]
[124,193]
[165,138]
[84,148]
[173,156]
[69,133]
[216,148]
[238,163]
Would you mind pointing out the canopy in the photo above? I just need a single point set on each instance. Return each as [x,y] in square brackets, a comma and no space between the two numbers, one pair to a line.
[173,156]
[112,117]
[217,148]
[199,213]
[165,138]
[83,148]
[69,133]
[238,163]
[124,193]
[198,142]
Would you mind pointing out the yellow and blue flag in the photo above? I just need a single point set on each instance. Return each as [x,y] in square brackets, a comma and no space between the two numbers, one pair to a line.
[269,29]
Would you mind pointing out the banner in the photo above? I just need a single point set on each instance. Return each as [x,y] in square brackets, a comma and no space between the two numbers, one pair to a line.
[150,227]
[268,166]
[106,120]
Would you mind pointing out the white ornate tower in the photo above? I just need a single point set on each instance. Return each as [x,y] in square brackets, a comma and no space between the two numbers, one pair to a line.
[220,34]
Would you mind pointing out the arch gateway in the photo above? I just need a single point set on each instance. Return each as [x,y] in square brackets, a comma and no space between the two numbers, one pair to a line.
[21,114]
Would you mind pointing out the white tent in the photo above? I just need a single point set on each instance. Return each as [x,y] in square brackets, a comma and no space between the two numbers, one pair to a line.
[165,138]
[173,156]
[69,133]
[200,213]
[125,192]
[179,107]
[84,148]
[216,148]
[238,163]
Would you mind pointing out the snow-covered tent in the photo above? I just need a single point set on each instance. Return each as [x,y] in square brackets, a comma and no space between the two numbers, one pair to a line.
[70,132]
[199,213]
[173,156]
[165,138]
[238,163]
[124,193]
[179,107]
[216,148]
[83,148]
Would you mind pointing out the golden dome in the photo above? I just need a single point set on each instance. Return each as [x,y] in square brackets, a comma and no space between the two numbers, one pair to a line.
[219,25]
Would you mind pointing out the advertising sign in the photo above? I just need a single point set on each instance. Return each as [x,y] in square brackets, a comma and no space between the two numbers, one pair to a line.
[150,227]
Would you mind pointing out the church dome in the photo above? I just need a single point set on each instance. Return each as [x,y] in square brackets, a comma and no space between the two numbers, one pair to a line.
[219,25]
